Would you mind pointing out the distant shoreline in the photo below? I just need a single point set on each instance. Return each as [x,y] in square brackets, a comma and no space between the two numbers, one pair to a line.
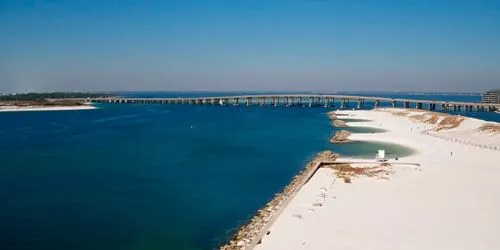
[44,108]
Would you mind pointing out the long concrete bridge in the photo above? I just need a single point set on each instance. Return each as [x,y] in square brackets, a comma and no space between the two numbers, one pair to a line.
[307,100]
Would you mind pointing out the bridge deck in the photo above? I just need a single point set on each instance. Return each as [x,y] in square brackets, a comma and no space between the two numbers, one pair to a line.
[302,97]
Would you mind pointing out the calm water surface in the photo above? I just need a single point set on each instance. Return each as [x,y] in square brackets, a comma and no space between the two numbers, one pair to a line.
[151,176]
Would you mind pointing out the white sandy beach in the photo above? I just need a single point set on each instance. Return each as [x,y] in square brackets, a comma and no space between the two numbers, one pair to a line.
[39,108]
[450,201]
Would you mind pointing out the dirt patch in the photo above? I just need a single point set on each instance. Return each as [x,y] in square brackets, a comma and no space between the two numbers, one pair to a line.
[419,117]
[432,120]
[400,113]
[450,122]
[428,118]
[490,128]
[347,172]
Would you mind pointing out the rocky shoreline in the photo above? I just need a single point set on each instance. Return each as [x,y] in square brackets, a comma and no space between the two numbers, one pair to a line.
[339,123]
[335,121]
[332,115]
[250,234]
[341,137]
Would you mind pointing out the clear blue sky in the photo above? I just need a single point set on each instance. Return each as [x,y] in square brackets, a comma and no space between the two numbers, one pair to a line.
[321,45]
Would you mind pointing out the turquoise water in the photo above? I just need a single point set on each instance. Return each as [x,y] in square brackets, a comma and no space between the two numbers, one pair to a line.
[151,176]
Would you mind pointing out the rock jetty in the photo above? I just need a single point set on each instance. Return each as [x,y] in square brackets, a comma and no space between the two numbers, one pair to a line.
[332,115]
[341,137]
[339,123]
[335,121]
[250,234]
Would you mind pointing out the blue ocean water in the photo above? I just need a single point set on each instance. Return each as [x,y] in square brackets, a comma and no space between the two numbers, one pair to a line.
[151,176]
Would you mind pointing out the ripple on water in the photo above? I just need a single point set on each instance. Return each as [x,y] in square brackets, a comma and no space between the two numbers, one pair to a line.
[113,118]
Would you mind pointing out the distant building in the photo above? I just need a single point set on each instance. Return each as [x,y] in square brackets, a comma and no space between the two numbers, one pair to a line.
[492,96]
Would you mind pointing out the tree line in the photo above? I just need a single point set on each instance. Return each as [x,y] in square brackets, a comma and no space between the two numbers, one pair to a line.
[54,95]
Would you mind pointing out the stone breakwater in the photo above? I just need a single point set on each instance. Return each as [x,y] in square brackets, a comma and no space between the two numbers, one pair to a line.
[332,115]
[339,123]
[341,137]
[250,234]
[335,121]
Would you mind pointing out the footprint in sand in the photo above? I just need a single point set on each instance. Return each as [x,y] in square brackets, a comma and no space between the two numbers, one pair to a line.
[298,216]
[318,204]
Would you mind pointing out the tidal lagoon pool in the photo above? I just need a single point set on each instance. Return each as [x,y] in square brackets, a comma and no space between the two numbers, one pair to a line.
[365,130]
[151,176]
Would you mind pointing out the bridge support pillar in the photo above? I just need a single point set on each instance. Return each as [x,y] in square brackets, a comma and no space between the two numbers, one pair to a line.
[249,101]
[444,107]
[310,101]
